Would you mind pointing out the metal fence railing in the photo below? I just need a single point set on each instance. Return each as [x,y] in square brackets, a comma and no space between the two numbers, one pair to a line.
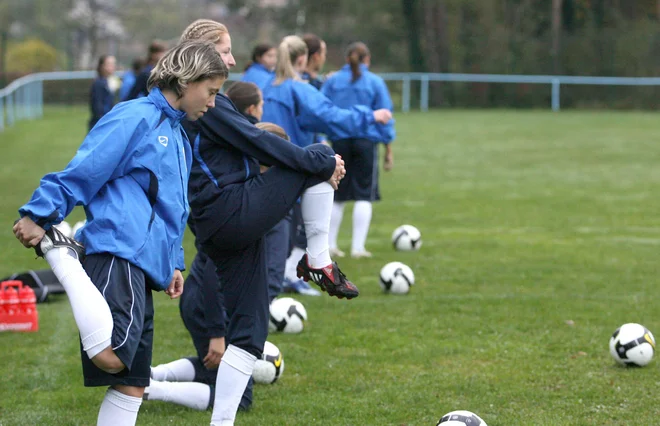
[24,97]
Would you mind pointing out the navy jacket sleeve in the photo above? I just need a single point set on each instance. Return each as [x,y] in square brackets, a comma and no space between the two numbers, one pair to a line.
[224,122]
[317,113]
[140,86]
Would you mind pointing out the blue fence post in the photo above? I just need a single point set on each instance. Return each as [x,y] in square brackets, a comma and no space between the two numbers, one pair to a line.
[10,109]
[40,98]
[405,96]
[555,94]
[2,114]
[424,93]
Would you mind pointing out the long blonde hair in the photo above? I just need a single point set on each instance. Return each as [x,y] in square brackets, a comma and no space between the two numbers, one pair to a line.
[290,49]
[204,29]
[188,62]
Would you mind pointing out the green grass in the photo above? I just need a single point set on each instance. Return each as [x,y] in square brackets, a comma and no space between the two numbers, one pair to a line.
[529,219]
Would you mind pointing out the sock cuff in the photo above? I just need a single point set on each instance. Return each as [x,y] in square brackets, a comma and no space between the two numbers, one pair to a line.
[239,359]
[125,402]
[320,188]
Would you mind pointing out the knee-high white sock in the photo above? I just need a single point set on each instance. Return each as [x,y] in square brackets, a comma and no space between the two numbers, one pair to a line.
[361,221]
[118,409]
[335,222]
[233,375]
[181,370]
[316,206]
[189,394]
[90,310]
[292,262]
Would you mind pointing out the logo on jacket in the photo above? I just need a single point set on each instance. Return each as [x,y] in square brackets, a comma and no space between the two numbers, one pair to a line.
[163,140]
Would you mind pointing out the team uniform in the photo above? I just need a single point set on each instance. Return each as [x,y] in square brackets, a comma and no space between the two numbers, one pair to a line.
[134,192]
[360,154]
[139,88]
[259,75]
[101,100]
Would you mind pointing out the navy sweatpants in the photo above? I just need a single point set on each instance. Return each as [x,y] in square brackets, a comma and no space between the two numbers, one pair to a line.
[239,252]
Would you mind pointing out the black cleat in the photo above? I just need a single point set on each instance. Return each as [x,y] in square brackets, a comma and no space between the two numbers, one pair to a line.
[330,279]
[54,238]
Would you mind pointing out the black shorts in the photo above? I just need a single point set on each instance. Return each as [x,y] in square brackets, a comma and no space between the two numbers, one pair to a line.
[361,161]
[128,293]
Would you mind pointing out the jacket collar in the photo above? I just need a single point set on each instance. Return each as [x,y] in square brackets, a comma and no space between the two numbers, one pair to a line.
[174,115]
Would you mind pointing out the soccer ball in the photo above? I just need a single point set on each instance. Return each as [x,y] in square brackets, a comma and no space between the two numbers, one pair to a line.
[270,367]
[632,344]
[395,277]
[461,418]
[287,315]
[64,227]
[407,238]
[76,227]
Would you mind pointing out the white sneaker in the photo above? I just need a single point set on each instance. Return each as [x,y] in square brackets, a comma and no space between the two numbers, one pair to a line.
[361,254]
[335,252]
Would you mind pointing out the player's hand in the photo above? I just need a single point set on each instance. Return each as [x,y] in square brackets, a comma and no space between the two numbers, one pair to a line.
[382,116]
[388,162]
[339,173]
[28,232]
[176,285]
[216,351]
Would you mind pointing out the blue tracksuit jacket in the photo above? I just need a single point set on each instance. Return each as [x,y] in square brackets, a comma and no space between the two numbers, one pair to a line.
[302,110]
[259,75]
[368,90]
[131,176]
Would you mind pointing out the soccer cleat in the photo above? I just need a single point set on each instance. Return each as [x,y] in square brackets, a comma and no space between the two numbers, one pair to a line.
[299,287]
[361,254]
[330,279]
[54,238]
[335,252]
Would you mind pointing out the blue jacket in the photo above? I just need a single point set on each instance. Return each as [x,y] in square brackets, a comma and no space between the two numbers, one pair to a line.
[131,176]
[101,100]
[301,111]
[227,150]
[258,74]
[127,83]
[139,88]
[368,90]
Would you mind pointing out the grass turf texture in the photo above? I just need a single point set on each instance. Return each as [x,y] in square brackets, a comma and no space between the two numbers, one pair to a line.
[529,220]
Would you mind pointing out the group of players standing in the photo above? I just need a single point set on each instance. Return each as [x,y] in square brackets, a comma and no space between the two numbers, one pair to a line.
[246,164]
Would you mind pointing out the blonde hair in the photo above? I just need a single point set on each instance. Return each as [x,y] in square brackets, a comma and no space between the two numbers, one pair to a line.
[290,49]
[274,129]
[188,62]
[204,29]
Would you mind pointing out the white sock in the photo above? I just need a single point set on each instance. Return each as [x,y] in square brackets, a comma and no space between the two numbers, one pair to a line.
[189,394]
[335,222]
[233,375]
[361,220]
[181,370]
[292,262]
[118,409]
[90,310]
[316,206]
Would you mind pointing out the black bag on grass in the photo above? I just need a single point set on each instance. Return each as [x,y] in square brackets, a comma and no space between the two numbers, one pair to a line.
[43,282]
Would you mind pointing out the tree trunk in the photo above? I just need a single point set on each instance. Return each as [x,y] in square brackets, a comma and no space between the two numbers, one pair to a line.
[411,16]
[556,35]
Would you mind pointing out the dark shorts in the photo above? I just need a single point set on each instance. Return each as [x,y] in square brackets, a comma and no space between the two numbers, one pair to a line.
[361,162]
[128,293]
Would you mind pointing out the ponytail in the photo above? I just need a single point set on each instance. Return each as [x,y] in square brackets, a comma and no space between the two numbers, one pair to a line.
[290,49]
[355,55]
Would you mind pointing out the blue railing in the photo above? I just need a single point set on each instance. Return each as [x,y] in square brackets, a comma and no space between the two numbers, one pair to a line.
[23,98]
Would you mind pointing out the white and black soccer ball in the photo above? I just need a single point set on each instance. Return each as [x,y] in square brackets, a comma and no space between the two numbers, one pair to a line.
[287,315]
[406,238]
[270,367]
[461,418]
[396,278]
[76,227]
[64,227]
[632,344]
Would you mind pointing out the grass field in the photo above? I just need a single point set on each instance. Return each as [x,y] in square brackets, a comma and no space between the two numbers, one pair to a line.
[541,236]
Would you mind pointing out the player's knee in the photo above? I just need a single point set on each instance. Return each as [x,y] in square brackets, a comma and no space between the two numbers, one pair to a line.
[136,392]
[321,148]
[108,362]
